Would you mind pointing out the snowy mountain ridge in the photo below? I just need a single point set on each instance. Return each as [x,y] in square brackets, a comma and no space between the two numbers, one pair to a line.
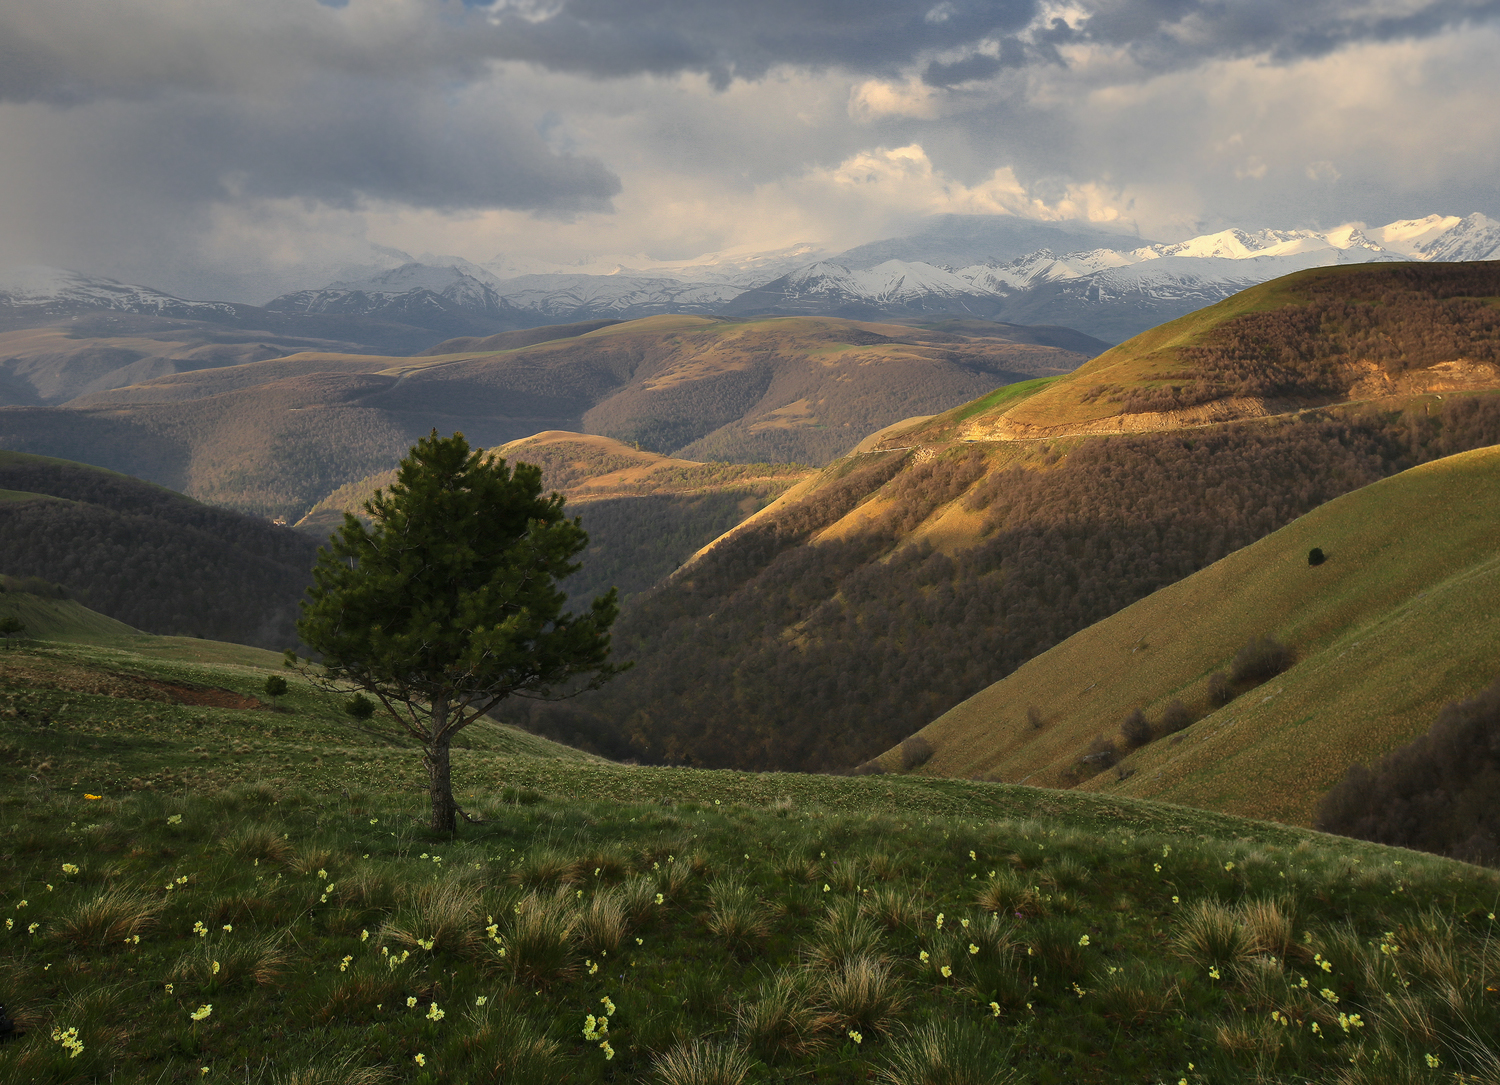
[1111,291]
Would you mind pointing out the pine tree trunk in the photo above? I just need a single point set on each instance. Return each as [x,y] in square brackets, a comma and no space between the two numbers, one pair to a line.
[439,772]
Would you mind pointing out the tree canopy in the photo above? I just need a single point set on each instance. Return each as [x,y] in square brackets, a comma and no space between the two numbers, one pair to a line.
[447,601]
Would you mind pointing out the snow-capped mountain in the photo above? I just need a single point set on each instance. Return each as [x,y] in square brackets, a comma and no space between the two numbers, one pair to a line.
[1107,292]
[401,293]
[1106,284]
[36,291]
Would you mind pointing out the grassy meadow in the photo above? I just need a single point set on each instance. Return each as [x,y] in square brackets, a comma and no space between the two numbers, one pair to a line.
[201,885]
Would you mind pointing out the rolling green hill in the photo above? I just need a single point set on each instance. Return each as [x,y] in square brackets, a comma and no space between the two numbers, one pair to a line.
[948,552]
[274,437]
[234,885]
[1403,616]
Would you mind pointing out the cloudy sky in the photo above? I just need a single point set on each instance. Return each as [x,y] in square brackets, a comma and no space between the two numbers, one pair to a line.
[197,145]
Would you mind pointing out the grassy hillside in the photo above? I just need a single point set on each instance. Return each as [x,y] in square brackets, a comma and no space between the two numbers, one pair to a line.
[202,887]
[151,558]
[274,437]
[1309,339]
[1403,616]
[951,550]
[58,619]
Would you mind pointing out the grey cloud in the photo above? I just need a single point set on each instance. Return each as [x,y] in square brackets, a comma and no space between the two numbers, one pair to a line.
[980,66]
[1168,34]
[733,39]
[729,39]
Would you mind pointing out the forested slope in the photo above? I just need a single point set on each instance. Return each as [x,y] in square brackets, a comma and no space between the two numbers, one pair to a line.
[151,558]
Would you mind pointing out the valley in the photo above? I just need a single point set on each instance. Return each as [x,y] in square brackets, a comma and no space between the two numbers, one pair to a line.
[950,727]
[274,437]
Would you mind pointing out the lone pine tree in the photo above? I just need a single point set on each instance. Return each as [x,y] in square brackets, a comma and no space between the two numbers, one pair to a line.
[447,603]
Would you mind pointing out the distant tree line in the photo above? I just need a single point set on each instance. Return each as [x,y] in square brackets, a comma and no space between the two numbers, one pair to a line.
[773,654]
[1436,794]
[152,558]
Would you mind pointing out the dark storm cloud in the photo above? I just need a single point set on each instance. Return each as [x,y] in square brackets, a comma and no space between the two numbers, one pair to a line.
[1167,34]
[286,99]
[734,39]
[730,39]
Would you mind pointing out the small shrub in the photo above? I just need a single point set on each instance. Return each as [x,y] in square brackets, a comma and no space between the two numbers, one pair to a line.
[360,707]
[1136,730]
[916,751]
[1262,658]
[1176,717]
[1034,718]
[1220,689]
[702,1062]
[1315,556]
[275,686]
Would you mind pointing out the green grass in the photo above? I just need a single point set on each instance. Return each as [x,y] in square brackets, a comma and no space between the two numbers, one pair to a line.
[273,865]
[1403,617]
[11,497]
[60,619]
[1001,399]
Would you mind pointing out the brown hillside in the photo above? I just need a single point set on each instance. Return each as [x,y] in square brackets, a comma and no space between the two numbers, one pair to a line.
[911,576]
[645,513]
[276,436]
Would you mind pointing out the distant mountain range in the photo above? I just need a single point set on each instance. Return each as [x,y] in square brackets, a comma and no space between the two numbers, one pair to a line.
[1106,284]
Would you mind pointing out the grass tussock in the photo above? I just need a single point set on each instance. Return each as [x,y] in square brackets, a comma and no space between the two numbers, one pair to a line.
[782,1018]
[736,914]
[702,1062]
[538,946]
[109,919]
[440,918]
[947,1053]
[863,993]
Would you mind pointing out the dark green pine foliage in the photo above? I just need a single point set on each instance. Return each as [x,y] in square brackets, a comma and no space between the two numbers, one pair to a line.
[448,602]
